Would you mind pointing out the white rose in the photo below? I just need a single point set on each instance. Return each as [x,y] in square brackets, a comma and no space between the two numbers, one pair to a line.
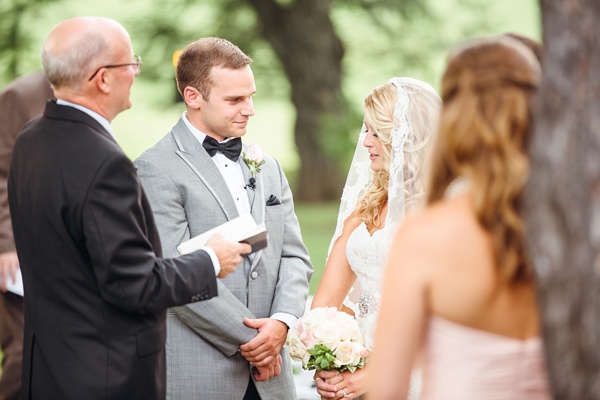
[298,351]
[316,316]
[348,353]
[328,333]
[349,328]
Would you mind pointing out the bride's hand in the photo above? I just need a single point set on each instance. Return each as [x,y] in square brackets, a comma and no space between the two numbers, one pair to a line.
[326,382]
[333,385]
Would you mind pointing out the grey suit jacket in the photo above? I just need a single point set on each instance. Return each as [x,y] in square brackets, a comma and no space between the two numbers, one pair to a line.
[189,196]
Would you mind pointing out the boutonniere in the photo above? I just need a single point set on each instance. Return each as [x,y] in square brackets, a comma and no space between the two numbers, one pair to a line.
[254,159]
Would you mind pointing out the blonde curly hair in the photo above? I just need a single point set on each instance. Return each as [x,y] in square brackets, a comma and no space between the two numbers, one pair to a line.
[487,91]
[379,107]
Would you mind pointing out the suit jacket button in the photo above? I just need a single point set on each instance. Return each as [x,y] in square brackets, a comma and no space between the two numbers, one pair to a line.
[254,275]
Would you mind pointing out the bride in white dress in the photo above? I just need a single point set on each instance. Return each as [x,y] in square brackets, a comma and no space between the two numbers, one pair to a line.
[384,184]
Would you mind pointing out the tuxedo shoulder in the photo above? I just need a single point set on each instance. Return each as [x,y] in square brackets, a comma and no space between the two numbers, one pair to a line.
[165,146]
[270,161]
[272,169]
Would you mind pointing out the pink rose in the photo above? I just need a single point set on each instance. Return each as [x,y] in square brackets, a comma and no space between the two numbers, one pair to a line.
[254,159]
[255,153]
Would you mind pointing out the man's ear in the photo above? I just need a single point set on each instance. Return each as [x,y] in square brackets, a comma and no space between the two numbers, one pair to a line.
[192,97]
[101,81]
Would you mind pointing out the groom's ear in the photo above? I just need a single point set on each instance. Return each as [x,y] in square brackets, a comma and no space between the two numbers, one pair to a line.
[192,97]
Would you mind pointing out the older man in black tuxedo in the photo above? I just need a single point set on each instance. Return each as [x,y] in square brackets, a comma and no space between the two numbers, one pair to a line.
[96,285]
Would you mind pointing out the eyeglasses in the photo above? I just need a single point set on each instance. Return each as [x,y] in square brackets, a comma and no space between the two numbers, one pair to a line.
[137,62]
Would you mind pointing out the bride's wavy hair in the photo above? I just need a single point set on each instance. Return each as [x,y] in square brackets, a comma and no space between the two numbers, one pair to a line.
[423,111]
[485,126]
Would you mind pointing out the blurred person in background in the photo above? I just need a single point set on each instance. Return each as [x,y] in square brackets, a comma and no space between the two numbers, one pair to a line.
[21,100]
[384,184]
[459,285]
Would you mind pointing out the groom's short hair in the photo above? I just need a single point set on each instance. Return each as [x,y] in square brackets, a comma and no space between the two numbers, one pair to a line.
[198,58]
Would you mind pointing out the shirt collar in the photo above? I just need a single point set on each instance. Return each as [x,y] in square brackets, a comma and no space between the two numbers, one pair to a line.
[198,134]
[101,120]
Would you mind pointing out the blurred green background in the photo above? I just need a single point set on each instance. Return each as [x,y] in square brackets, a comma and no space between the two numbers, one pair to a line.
[381,39]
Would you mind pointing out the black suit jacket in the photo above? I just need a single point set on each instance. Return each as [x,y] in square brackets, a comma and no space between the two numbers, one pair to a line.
[95,285]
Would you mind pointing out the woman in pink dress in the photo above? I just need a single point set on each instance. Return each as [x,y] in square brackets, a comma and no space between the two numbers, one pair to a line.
[459,288]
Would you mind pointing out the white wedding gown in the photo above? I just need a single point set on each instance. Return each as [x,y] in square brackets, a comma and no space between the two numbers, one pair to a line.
[367,255]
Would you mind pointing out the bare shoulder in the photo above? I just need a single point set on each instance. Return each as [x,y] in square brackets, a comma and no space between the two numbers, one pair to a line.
[438,236]
[439,223]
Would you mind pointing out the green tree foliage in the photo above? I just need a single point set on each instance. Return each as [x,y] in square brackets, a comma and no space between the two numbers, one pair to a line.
[15,36]
[314,51]
[321,56]
[299,53]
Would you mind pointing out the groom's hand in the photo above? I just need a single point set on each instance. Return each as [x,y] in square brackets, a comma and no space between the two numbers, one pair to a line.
[265,347]
[229,253]
[262,374]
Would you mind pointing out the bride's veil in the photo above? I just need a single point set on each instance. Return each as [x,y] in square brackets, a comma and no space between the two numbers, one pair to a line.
[404,190]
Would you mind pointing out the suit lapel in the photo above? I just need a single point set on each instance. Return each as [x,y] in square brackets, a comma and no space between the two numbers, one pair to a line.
[256,199]
[247,175]
[194,155]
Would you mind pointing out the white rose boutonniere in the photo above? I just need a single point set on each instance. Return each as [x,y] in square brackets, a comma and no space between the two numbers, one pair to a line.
[254,158]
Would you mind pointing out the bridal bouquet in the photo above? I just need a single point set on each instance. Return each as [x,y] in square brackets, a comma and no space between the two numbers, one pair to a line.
[327,339]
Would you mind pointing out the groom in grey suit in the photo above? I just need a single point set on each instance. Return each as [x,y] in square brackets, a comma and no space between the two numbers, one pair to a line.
[230,347]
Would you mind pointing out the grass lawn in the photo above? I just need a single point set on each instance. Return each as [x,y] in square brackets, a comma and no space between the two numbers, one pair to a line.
[317,222]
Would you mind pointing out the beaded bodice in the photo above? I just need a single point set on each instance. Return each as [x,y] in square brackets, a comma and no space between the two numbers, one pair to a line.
[367,255]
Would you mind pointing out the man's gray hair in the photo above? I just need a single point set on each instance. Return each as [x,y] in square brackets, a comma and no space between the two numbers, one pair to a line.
[74,66]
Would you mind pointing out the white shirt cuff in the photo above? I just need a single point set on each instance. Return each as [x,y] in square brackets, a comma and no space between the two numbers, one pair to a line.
[286,318]
[214,258]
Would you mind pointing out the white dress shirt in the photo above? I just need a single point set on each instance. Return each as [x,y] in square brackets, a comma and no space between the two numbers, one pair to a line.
[230,170]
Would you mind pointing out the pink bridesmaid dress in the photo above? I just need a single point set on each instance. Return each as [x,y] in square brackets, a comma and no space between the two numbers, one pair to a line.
[464,363]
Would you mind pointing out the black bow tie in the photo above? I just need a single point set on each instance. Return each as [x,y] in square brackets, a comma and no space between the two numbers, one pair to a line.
[230,149]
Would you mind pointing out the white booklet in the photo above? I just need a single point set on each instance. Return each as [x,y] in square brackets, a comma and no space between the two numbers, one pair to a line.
[15,286]
[241,229]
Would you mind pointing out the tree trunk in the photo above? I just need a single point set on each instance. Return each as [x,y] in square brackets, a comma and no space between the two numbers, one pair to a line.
[304,39]
[563,196]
